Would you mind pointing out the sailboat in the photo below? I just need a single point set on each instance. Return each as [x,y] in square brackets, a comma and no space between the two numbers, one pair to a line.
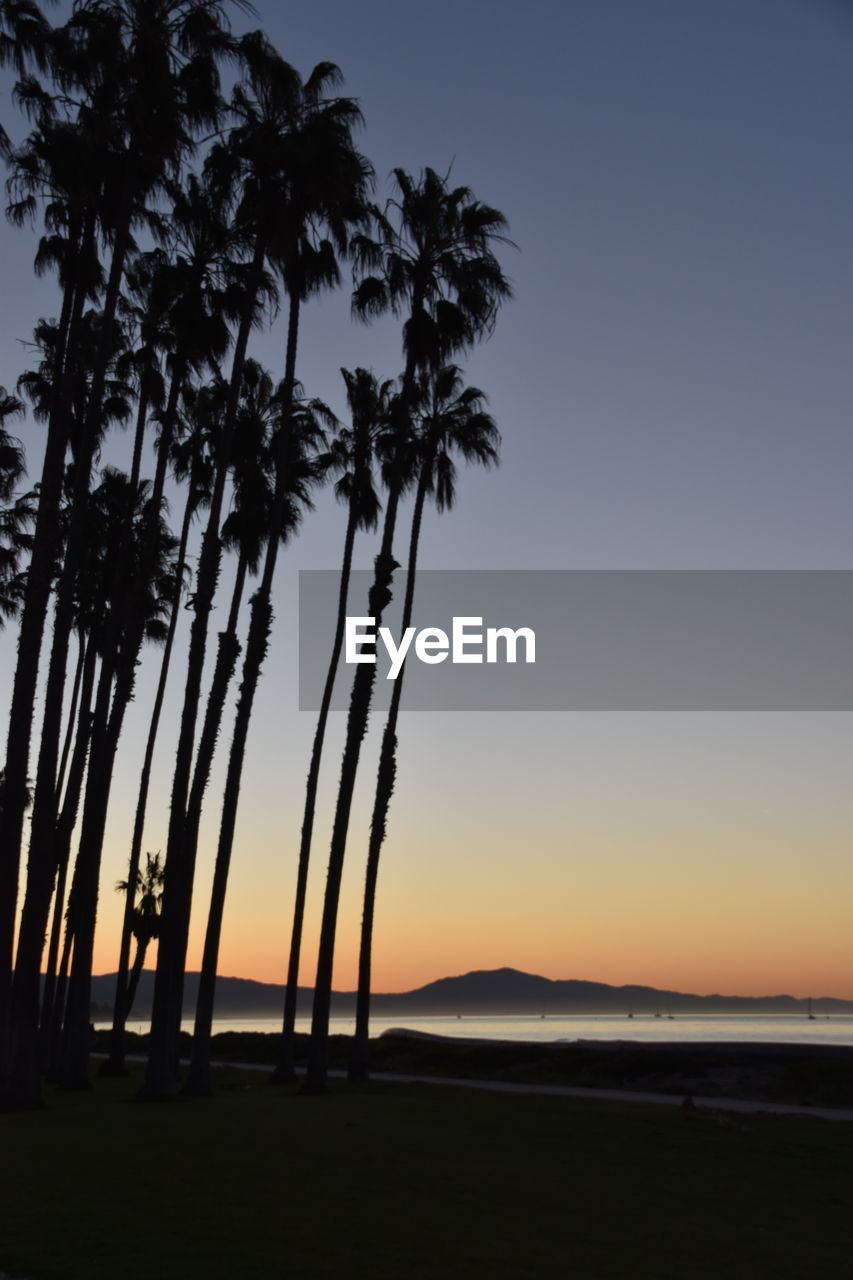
[811,1016]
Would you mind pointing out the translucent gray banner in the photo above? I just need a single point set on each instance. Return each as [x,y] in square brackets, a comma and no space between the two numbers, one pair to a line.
[614,640]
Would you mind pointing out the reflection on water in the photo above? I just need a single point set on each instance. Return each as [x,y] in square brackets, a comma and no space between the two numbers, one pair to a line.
[769,1029]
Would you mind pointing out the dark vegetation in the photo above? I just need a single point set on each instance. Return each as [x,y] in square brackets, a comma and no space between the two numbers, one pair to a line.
[188,185]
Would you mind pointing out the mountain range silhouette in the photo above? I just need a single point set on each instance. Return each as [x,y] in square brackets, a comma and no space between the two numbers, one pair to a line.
[505,991]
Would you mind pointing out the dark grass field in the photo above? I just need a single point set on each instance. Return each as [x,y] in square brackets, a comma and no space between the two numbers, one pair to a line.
[394,1181]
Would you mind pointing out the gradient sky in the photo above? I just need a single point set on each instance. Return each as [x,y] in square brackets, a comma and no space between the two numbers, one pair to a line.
[673,384]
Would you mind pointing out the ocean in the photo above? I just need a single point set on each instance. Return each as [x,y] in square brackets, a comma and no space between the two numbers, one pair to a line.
[769,1029]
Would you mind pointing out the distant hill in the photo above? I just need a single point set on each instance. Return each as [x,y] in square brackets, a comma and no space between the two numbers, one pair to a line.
[493,991]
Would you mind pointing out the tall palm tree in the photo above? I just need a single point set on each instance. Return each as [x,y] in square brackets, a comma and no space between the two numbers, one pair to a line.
[243,531]
[453,421]
[351,455]
[239,166]
[65,824]
[95,591]
[433,260]
[148,592]
[201,283]
[298,457]
[56,167]
[44,841]
[146,72]
[322,189]
[192,463]
[291,153]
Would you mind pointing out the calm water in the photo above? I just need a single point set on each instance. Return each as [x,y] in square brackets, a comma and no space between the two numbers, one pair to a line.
[776,1030]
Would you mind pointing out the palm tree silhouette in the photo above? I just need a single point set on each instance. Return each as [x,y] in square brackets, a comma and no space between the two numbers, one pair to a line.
[146,892]
[144,72]
[23,35]
[352,454]
[292,152]
[432,260]
[452,420]
[16,511]
[298,457]
[192,463]
[146,595]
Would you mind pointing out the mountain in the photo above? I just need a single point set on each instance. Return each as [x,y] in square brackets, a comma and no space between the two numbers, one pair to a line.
[494,991]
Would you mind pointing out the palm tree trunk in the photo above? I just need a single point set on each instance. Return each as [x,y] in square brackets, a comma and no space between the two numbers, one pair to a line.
[379,597]
[72,715]
[141,421]
[24,1076]
[198,1082]
[161,1071]
[257,644]
[105,739]
[114,1065]
[135,975]
[64,830]
[286,1067]
[58,1012]
[359,711]
[227,654]
[359,1063]
[45,548]
[84,888]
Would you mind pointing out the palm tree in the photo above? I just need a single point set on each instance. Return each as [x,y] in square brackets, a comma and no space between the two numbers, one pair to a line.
[191,462]
[322,193]
[291,152]
[145,71]
[23,34]
[433,261]
[16,512]
[46,838]
[65,823]
[243,531]
[241,166]
[55,167]
[298,457]
[196,285]
[147,895]
[453,421]
[149,589]
[352,455]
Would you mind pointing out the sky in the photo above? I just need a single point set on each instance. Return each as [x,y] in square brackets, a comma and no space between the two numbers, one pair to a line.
[673,387]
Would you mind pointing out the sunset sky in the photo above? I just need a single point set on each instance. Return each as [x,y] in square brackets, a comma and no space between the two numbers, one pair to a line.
[674,387]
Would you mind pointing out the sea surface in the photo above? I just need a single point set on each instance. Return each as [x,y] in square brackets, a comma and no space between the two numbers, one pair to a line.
[768,1029]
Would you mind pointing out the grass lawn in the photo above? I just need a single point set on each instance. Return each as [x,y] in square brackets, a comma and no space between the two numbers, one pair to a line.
[396,1181]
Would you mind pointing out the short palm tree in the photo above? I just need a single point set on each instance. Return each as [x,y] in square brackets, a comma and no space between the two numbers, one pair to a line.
[147,895]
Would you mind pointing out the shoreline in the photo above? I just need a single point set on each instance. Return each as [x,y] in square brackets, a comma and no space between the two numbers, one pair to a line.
[791,1074]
